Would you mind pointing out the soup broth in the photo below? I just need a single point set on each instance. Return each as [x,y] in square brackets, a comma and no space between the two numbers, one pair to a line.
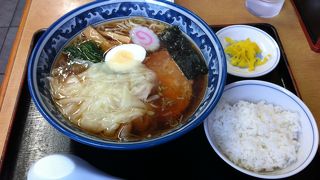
[125,80]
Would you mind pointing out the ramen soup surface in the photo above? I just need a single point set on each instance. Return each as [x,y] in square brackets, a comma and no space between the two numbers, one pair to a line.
[128,80]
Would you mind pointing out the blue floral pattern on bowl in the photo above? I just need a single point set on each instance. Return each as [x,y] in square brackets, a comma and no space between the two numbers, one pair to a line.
[70,25]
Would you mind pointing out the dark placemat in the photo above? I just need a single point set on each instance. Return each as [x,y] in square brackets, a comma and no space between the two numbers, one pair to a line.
[188,157]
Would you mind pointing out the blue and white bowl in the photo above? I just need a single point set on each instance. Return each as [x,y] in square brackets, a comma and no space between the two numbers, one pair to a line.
[63,30]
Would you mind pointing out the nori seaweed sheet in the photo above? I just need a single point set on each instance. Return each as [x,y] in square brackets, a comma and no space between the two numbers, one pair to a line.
[183,53]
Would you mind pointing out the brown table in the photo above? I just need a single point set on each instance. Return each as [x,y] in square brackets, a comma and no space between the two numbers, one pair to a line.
[40,14]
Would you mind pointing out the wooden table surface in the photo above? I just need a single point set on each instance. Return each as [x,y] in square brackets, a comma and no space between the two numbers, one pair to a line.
[38,14]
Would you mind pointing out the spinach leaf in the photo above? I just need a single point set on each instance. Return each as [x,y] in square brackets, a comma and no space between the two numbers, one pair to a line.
[87,50]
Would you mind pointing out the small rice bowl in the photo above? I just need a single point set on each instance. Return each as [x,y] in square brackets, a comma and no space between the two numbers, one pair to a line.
[259,137]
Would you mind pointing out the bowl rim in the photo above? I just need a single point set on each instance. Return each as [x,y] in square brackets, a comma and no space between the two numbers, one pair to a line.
[130,145]
[263,34]
[299,102]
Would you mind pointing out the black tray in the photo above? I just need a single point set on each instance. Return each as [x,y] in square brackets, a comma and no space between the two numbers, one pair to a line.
[188,157]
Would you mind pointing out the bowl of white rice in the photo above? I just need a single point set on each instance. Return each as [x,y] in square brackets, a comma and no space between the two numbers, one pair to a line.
[262,130]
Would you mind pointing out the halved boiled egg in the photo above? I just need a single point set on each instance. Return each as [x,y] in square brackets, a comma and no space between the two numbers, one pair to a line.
[124,57]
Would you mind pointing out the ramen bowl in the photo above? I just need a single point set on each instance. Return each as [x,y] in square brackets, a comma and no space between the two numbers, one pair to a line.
[61,32]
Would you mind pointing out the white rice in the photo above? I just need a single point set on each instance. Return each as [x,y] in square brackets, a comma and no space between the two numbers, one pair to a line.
[259,137]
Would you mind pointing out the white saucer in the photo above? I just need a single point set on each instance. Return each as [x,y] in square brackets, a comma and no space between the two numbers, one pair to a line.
[265,42]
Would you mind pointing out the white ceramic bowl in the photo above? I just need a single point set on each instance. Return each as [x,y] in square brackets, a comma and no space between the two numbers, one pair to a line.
[266,43]
[255,91]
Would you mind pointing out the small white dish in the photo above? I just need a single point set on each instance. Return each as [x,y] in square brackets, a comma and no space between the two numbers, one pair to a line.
[255,91]
[265,42]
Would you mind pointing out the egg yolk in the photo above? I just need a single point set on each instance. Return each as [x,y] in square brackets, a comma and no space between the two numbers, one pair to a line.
[123,57]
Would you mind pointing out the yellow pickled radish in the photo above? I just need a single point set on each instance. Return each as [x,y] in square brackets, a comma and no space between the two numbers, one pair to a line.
[244,54]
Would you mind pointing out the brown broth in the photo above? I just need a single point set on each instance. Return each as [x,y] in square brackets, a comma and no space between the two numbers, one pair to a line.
[159,125]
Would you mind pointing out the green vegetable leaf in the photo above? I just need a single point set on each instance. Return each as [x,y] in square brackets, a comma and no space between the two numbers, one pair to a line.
[87,51]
